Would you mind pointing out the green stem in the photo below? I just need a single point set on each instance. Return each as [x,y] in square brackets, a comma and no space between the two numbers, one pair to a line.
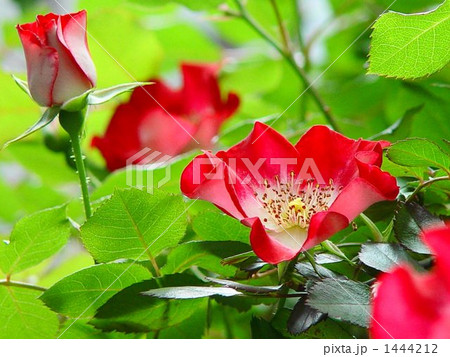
[283,31]
[377,235]
[284,278]
[310,258]
[73,122]
[425,184]
[22,285]
[304,51]
[244,14]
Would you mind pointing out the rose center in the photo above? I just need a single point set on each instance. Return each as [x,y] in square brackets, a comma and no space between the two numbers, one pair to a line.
[290,204]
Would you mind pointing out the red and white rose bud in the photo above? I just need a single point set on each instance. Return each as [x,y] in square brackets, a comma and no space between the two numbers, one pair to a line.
[59,64]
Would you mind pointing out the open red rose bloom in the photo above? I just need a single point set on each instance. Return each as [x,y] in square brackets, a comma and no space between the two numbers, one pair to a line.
[408,304]
[167,120]
[59,64]
[265,182]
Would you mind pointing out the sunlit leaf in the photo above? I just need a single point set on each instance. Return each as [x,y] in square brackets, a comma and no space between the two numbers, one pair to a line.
[35,238]
[23,315]
[134,224]
[417,152]
[411,46]
[83,292]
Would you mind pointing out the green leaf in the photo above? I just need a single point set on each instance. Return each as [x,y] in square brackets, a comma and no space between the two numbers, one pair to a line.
[307,270]
[410,221]
[23,315]
[134,224]
[156,176]
[207,255]
[401,129]
[35,238]
[342,300]
[46,119]
[101,96]
[215,226]
[411,46]
[192,327]
[327,328]
[190,292]
[130,311]
[22,85]
[418,152]
[383,256]
[303,317]
[254,289]
[262,329]
[80,329]
[82,293]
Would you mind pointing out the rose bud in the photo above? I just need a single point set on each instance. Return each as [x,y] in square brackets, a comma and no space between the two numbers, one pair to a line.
[59,65]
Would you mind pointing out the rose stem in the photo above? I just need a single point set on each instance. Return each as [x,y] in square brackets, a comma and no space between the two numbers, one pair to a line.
[73,122]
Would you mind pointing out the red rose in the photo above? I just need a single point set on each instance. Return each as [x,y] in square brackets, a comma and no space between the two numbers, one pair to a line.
[408,304]
[265,182]
[167,120]
[59,65]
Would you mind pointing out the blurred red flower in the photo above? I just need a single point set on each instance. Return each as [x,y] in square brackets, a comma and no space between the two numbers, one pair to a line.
[264,181]
[59,65]
[408,304]
[167,120]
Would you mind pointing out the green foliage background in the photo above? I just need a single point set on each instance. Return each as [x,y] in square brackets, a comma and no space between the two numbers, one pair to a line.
[137,40]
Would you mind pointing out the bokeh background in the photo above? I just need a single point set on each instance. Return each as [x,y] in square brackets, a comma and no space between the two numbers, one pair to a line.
[138,40]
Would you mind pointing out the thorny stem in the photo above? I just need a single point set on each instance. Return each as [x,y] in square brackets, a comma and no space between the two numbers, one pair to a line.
[244,14]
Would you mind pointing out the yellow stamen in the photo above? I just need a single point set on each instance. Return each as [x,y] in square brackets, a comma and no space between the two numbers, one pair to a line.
[298,205]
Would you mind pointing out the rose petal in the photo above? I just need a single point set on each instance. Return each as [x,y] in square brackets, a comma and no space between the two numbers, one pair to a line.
[73,35]
[200,90]
[360,194]
[204,178]
[42,66]
[334,154]
[438,239]
[71,80]
[263,155]
[322,226]
[400,310]
[274,247]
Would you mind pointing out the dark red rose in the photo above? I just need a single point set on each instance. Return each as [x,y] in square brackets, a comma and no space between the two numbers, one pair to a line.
[171,121]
